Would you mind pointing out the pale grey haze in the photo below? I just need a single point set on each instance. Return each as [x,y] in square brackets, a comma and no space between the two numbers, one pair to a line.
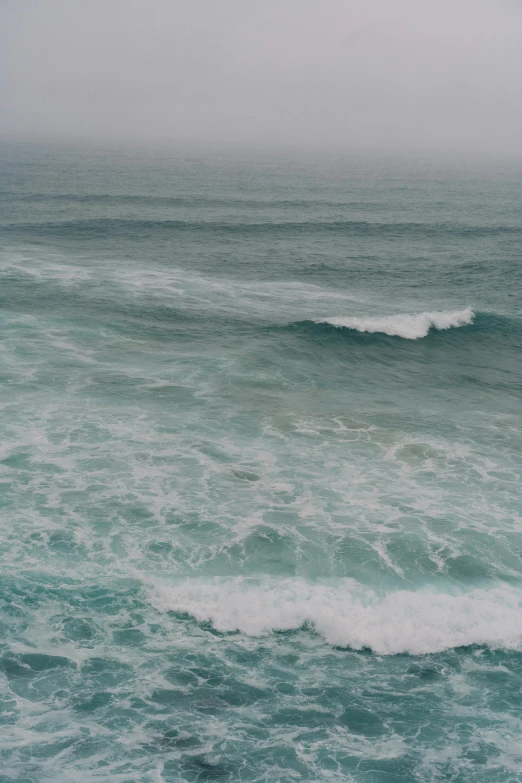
[412,74]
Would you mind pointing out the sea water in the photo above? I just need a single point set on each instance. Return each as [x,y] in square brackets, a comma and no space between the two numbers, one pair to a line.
[260,468]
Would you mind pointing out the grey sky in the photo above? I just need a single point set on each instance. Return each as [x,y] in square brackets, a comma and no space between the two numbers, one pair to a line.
[443,74]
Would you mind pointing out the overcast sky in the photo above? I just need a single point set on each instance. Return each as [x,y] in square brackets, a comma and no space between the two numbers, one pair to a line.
[436,74]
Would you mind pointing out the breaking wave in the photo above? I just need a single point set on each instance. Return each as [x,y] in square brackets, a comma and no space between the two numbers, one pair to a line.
[349,615]
[411,326]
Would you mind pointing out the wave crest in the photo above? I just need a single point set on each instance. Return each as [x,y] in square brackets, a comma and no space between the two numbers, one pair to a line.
[349,615]
[408,325]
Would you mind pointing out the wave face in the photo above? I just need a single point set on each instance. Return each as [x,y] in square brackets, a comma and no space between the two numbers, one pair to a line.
[240,539]
[409,326]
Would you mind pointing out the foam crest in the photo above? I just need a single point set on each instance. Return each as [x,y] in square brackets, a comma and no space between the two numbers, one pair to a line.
[349,615]
[408,325]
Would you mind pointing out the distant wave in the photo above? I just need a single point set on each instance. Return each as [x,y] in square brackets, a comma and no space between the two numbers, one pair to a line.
[410,326]
[107,226]
[350,615]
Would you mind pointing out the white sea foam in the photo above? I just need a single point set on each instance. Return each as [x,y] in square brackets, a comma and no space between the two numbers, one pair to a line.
[347,614]
[407,325]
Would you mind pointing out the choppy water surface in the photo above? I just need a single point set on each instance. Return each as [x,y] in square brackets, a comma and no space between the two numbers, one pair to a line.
[260,469]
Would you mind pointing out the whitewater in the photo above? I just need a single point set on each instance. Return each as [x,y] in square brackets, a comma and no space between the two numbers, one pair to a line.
[261,513]
[348,616]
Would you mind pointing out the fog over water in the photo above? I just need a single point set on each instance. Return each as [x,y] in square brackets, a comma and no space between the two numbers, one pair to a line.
[340,73]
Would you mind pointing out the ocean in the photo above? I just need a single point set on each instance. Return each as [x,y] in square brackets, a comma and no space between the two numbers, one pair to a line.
[261,467]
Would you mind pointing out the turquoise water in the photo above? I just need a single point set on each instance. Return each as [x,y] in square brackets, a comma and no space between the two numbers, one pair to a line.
[260,467]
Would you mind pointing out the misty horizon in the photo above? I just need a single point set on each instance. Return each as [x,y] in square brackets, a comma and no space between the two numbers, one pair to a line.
[343,76]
